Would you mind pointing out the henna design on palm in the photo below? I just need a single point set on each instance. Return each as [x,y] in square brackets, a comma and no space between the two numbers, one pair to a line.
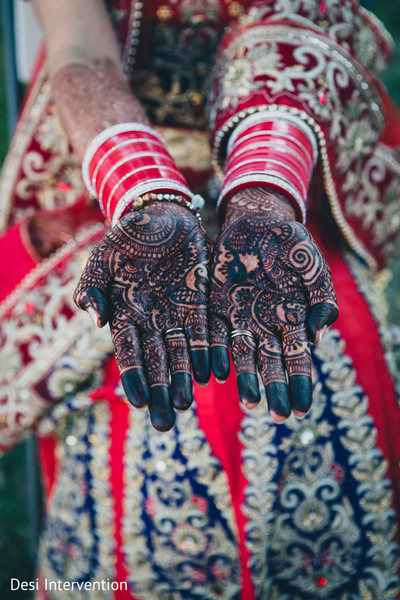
[149,274]
[268,277]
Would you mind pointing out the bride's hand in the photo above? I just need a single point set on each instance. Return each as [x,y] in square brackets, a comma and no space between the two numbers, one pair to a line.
[149,278]
[270,279]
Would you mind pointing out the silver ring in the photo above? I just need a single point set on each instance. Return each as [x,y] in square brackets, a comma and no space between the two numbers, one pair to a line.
[242,332]
[174,330]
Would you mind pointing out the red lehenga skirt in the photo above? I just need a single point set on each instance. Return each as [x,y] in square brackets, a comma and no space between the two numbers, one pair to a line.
[228,504]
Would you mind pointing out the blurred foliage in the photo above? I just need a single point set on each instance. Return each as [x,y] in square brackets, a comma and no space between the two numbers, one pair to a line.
[3,108]
[14,527]
[389,13]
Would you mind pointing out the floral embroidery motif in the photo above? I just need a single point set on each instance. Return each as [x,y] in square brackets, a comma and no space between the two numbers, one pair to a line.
[77,544]
[39,324]
[357,30]
[178,526]
[40,171]
[376,201]
[320,536]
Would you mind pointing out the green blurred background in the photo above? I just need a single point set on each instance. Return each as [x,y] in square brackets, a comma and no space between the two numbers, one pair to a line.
[18,506]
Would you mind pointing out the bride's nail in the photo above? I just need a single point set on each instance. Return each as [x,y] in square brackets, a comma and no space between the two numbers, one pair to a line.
[93,315]
[249,405]
[320,334]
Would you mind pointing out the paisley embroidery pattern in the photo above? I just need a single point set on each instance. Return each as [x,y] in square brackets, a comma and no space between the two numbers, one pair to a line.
[77,544]
[39,323]
[373,287]
[330,530]
[357,30]
[178,527]
[275,66]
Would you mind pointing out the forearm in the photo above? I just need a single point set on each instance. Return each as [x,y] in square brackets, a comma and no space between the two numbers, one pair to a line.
[91,96]
[85,69]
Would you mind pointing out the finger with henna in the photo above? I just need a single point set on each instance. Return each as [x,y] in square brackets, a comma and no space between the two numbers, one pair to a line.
[196,326]
[298,364]
[162,413]
[179,364]
[243,350]
[272,371]
[126,341]
[219,343]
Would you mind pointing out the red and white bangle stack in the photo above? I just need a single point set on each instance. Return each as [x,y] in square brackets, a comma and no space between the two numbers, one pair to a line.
[271,149]
[127,163]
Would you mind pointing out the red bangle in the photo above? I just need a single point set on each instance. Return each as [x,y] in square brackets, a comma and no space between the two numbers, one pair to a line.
[270,128]
[133,178]
[277,154]
[120,151]
[129,159]
[144,139]
[275,122]
[271,168]
[262,142]
[110,172]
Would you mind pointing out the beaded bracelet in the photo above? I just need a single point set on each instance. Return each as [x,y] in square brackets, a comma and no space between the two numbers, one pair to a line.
[156,187]
[127,165]
[274,150]
[194,206]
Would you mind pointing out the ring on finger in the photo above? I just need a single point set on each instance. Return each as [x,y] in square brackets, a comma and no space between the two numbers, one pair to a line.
[174,330]
[242,332]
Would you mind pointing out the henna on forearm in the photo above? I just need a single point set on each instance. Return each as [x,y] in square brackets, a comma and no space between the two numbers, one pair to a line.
[91,96]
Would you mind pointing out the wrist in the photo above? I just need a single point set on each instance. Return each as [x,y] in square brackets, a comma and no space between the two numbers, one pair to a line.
[272,206]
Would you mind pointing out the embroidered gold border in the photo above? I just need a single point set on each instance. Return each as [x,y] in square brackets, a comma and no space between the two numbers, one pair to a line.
[38,100]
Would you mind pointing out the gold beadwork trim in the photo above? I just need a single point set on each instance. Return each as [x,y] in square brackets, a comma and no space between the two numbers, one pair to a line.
[377,24]
[37,103]
[36,369]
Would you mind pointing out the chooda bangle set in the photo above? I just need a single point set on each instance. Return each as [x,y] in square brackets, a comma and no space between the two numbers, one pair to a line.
[270,149]
[128,165]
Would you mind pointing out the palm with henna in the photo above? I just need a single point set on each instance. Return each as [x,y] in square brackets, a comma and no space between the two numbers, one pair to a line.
[270,278]
[148,275]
